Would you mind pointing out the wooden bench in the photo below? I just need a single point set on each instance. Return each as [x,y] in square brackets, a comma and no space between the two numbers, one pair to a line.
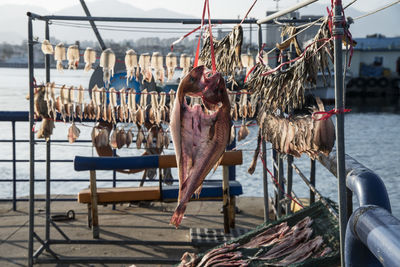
[93,196]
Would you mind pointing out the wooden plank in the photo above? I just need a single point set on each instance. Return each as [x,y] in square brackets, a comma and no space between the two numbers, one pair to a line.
[121,194]
[228,159]
[93,194]
[225,196]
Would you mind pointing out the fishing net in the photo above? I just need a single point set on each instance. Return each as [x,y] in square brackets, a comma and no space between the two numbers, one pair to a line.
[324,224]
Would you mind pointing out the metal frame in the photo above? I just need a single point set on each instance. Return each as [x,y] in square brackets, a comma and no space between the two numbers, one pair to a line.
[33,257]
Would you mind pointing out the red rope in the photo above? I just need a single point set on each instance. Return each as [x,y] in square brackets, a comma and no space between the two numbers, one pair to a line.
[183,37]
[214,68]
[328,114]
[276,182]
[326,40]
[196,58]
[255,1]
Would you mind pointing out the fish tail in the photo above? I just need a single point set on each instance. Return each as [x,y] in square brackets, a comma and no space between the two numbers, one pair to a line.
[178,214]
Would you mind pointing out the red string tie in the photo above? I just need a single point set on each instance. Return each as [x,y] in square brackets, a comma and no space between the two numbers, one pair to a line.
[328,114]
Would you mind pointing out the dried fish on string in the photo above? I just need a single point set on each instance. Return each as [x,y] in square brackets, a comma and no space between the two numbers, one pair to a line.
[243,131]
[107,62]
[139,138]
[144,63]
[47,48]
[73,56]
[184,63]
[157,65]
[171,99]
[141,113]
[123,107]
[153,112]
[227,51]
[243,102]
[290,31]
[79,105]
[298,134]
[283,88]
[113,103]
[131,63]
[132,105]
[89,57]
[59,55]
[129,137]
[73,133]
[171,62]
[121,138]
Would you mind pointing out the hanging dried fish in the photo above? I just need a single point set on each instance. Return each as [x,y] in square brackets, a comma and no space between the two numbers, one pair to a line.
[59,55]
[166,140]
[71,102]
[144,63]
[102,138]
[89,57]
[131,63]
[253,105]
[185,64]
[132,105]
[157,65]
[298,134]
[79,106]
[73,133]
[104,104]
[171,99]
[46,129]
[154,116]
[227,51]
[113,139]
[243,132]
[162,108]
[233,134]
[171,62]
[62,101]
[141,113]
[150,137]
[113,103]
[160,139]
[121,138]
[139,138]
[290,31]
[123,106]
[284,88]
[47,47]
[107,62]
[73,56]
[129,137]
[243,109]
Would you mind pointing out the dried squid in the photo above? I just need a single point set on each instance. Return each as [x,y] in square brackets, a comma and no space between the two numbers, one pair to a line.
[89,57]
[59,55]
[107,62]
[131,63]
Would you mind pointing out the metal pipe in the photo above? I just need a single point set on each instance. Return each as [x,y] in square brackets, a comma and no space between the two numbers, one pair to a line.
[379,231]
[48,149]
[32,144]
[285,11]
[337,33]
[14,166]
[289,182]
[265,182]
[281,184]
[312,181]
[95,30]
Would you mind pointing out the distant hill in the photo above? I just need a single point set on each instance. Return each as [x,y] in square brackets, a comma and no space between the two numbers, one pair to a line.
[15,21]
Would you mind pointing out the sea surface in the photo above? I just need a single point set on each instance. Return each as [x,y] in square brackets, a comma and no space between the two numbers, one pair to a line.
[370,138]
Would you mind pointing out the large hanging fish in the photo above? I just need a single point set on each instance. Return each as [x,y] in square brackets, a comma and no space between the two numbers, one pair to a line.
[199,138]
[107,62]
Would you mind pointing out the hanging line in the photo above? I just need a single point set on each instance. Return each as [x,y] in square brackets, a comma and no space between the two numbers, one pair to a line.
[328,114]
[276,182]
[196,58]
[214,68]
[255,1]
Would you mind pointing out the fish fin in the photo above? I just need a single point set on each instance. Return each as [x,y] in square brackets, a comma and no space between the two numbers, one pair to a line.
[218,163]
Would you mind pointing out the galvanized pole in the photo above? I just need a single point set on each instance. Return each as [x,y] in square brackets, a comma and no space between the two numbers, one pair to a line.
[48,148]
[264,151]
[32,145]
[95,30]
[312,181]
[340,151]
[14,167]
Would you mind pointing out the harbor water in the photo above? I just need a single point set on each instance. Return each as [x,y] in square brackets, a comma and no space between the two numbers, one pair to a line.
[370,138]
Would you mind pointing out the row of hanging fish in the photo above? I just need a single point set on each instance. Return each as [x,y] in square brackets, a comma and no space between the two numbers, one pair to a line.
[135,65]
[227,52]
[153,138]
[296,135]
[280,89]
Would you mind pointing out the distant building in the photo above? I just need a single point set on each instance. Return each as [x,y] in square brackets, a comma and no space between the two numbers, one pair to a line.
[376,56]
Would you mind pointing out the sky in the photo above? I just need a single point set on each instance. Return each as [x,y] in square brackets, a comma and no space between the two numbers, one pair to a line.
[218,8]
